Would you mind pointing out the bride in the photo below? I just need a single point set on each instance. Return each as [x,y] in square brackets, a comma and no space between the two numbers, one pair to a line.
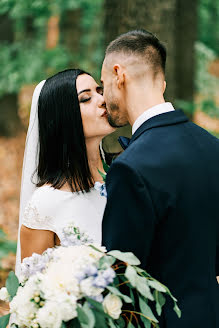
[63,154]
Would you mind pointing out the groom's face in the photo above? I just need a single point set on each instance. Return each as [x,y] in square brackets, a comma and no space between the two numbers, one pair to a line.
[114,98]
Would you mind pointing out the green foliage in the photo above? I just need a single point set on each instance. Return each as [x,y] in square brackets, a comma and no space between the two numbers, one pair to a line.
[115,291]
[6,246]
[12,284]
[4,321]
[208,23]
[92,313]
[27,60]
[41,10]
[86,316]
[27,63]
[127,257]
[206,84]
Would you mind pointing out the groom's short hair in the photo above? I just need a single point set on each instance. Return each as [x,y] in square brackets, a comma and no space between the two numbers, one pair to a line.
[140,43]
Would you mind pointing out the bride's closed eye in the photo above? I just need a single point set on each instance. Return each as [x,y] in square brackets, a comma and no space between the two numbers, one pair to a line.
[83,100]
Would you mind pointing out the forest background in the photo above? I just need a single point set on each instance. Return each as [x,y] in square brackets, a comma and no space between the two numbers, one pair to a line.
[41,37]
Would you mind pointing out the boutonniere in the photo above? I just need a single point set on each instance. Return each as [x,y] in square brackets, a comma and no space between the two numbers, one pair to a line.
[101,187]
[106,169]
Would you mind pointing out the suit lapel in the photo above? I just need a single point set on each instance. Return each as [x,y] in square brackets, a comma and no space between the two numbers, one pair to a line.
[170,118]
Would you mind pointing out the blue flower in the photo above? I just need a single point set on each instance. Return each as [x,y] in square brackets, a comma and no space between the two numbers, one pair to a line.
[100,282]
[91,270]
[101,187]
[109,275]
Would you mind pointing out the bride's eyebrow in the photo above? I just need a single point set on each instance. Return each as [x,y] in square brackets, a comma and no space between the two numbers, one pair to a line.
[85,90]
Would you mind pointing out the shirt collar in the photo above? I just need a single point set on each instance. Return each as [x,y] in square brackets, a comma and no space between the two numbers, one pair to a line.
[149,113]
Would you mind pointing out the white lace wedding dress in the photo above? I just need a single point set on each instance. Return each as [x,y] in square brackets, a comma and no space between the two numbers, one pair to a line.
[56,210]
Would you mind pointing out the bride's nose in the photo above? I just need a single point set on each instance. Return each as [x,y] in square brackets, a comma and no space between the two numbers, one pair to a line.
[101,103]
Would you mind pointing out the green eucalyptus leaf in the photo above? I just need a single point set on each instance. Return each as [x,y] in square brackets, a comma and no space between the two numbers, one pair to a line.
[98,306]
[132,296]
[106,261]
[146,310]
[177,310]
[86,316]
[139,270]
[127,257]
[103,175]
[160,301]
[12,284]
[74,323]
[63,325]
[111,323]
[90,315]
[170,294]
[157,285]
[130,325]
[4,321]
[120,322]
[115,291]
[100,319]
[96,249]
[146,322]
[82,317]
[106,167]
[131,275]
[143,289]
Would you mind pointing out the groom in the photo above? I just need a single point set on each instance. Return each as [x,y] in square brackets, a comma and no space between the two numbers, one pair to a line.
[163,190]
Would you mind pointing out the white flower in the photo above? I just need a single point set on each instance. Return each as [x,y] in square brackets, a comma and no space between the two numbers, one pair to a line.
[67,305]
[88,289]
[21,305]
[49,315]
[23,308]
[4,296]
[112,305]
[60,279]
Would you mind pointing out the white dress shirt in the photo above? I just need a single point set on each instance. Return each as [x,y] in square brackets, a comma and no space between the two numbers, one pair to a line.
[149,113]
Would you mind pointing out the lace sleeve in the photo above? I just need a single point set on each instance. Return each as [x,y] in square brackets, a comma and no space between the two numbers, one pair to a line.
[34,220]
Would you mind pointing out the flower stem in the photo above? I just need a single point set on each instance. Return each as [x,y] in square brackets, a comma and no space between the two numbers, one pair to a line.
[141,314]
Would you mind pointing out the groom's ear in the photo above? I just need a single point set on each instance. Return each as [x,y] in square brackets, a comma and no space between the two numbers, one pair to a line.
[164,86]
[119,75]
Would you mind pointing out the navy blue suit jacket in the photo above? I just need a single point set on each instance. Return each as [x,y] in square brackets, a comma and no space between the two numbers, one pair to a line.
[163,205]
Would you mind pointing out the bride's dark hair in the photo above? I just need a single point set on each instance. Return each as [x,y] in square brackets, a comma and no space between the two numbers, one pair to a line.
[62,154]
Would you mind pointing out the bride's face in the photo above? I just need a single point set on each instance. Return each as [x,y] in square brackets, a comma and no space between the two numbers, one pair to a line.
[92,106]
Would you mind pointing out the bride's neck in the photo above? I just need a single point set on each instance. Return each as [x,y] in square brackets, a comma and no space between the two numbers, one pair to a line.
[94,159]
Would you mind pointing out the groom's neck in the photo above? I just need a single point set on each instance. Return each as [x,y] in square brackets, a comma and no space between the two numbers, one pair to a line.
[140,99]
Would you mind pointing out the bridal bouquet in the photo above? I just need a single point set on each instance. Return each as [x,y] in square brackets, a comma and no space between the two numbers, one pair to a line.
[82,286]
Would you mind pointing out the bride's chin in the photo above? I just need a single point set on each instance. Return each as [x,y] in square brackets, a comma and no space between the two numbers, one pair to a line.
[109,129]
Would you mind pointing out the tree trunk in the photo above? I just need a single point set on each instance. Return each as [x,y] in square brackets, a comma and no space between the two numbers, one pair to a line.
[174,23]
[186,35]
[9,121]
[52,32]
[71,34]
[6,29]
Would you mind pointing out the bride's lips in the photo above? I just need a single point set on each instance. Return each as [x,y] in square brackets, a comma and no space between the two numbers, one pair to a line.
[104,114]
